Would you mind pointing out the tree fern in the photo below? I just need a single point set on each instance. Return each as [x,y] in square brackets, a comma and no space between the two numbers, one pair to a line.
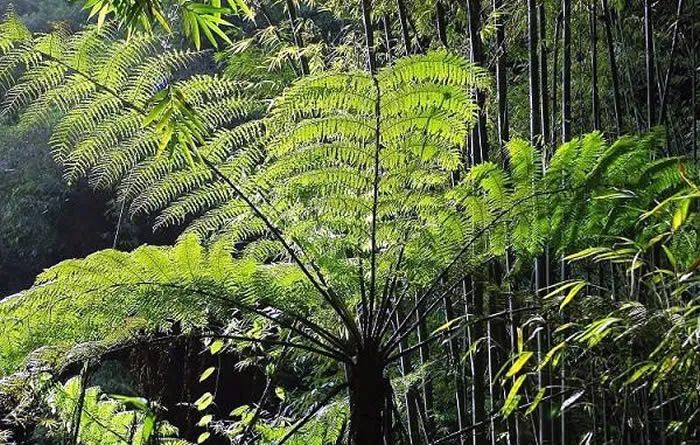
[348,197]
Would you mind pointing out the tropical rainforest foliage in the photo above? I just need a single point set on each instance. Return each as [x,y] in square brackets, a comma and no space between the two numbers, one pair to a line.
[400,221]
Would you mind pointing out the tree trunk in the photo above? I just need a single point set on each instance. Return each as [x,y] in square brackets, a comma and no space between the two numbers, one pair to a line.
[693,90]
[674,44]
[544,84]
[612,60]
[368,390]
[479,364]
[595,101]
[406,366]
[457,369]
[566,72]
[388,40]
[555,86]
[480,147]
[298,39]
[501,85]
[369,35]
[649,61]
[533,33]
[427,385]
[441,23]
[403,21]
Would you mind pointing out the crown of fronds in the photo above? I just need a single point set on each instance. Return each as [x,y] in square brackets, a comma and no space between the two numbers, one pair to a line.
[110,297]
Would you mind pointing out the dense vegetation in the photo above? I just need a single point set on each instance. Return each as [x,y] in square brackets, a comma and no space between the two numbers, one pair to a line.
[400,221]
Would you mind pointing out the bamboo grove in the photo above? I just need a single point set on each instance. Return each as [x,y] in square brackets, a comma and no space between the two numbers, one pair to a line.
[399,222]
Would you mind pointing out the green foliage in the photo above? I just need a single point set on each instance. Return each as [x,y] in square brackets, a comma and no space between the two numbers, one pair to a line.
[649,318]
[47,14]
[348,182]
[30,207]
[107,419]
[142,290]
[197,18]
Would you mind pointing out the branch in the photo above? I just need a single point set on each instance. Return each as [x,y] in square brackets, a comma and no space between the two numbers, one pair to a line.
[265,341]
[437,335]
[326,293]
[341,352]
[444,273]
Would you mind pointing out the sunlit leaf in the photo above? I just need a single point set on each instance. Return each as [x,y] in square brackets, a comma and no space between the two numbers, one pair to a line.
[205,420]
[216,346]
[572,293]
[204,401]
[207,372]
[571,400]
[536,401]
[681,214]
[519,363]
[513,398]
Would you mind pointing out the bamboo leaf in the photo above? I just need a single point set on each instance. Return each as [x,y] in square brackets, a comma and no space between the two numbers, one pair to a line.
[641,372]
[207,373]
[571,400]
[572,293]
[681,214]
[552,355]
[447,326]
[205,420]
[585,253]
[536,401]
[216,346]
[519,363]
[204,401]
[513,398]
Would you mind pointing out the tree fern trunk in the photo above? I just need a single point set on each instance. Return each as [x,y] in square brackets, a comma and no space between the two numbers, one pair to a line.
[368,390]
[612,60]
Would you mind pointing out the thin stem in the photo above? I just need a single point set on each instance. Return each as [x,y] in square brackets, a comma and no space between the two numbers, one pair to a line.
[326,293]
[445,271]
[454,329]
[674,42]
[375,201]
[267,341]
